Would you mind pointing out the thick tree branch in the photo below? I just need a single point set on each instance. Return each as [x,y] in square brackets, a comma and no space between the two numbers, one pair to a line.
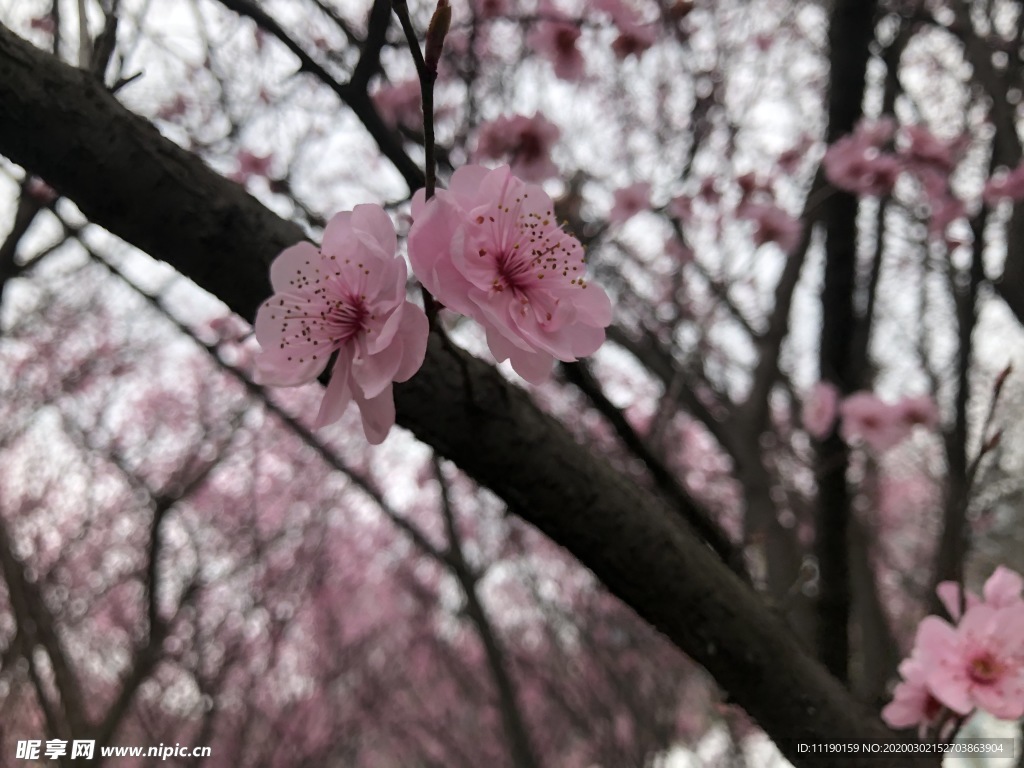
[126,177]
[851,31]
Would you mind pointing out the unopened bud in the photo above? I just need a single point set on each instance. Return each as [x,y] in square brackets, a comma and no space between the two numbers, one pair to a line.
[436,33]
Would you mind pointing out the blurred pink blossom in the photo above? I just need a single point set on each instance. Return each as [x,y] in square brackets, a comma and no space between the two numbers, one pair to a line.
[634,38]
[347,297]
[678,250]
[629,201]
[554,38]
[490,248]
[774,225]
[681,207]
[820,409]
[1005,184]
[525,141]
[399,104]
[918,411]
[250,164]
[857,164]
[867,418]
[491,9]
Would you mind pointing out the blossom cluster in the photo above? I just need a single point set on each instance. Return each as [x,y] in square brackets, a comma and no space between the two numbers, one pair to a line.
[866,418]
[976,662]
[488,247]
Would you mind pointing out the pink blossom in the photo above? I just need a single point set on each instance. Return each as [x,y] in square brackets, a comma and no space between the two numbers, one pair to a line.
[491,9]
[820,409]
[347,297]
[490,248]
[867,418]
[399,104]
[681,207]
[1005,184]
[913,702]
[790,160]
[525,141]
[634,38]
[918,411]
[678,250]
[629,201]
[554,37]
[944,210]
[979,663]
[773,225]
[923,148]
[250,164]
[857,164]
[1002,590]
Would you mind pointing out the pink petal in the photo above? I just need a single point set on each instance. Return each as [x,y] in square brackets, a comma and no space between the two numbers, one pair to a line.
[275,369]
[378,414]
[338,393]
[534,367]
[375,372]
[413,333]
[338,234]
[295,267]
[374,220]
[1003,587]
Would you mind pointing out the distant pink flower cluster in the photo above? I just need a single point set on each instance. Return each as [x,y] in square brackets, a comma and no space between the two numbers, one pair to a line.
[858,164]
[629,201]
[871,159]
[251,164]
[976,663]
[348,298]
[771,223]
[1005,185]
[820,409]
[525,142]
[554,37]
[490,248]
[399,104]
[880,425]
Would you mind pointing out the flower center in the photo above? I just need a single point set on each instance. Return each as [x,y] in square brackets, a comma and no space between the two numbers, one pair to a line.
[345,317]
[984,669]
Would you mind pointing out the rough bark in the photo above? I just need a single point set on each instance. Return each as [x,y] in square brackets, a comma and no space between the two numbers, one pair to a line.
[127,178]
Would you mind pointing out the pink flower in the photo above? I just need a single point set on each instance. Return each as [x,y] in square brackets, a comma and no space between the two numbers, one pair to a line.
[857,164]
[526,141]
[554,37]
[491,9]
[876,423]
[820,409]
[773,225]
[979,663]
[490,248]
[922,148]
[250,164]
[634,38]
[1002,590]
[912,701]
[399,104]
[1005,184]
[918,411]
[629,201]
[348,297]
[681,207]
[678,250]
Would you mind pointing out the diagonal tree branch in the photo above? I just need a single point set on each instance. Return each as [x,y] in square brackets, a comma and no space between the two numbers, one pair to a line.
[126,177]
